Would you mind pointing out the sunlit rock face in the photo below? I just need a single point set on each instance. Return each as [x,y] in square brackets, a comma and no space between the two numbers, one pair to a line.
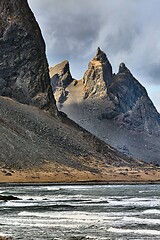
[23,66]
[98,75]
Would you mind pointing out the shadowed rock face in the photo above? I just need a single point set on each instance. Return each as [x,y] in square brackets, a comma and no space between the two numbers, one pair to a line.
[61,78]
[23,65]
[60,75]
[133,107]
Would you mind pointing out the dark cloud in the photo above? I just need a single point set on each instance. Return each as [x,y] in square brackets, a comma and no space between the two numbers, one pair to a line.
[154,72]
[127,30]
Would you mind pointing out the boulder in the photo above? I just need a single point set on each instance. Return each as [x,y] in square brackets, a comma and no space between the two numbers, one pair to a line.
[8,198]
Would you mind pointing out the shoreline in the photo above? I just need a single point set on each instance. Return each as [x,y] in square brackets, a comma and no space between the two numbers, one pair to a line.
[80,183]
[62,175]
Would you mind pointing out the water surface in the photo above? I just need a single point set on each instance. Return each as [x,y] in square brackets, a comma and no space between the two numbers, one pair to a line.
[71,212]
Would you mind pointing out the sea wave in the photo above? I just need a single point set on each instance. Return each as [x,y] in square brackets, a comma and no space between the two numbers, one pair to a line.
[135,231]
[74,215]
[136,202]
[19,204]
[151,211]
[141,220]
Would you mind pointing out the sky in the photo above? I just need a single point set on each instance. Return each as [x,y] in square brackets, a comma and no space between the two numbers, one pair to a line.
[126,30]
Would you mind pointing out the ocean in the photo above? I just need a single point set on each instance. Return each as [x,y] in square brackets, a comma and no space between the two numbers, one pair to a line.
[81,212]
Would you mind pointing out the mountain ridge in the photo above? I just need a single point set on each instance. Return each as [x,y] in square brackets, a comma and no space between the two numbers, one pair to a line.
[121,91]
[121,103]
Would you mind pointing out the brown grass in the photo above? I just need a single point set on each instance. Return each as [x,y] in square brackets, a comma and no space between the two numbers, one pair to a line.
[56,173]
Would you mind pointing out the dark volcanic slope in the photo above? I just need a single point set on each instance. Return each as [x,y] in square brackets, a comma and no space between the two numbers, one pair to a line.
[24,68]
[30,136]
[114,107]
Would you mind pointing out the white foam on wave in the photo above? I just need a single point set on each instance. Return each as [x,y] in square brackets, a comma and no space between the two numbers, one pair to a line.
[137,202]
[47,223]
[148,191]
[29,224]
[19,204]
[33,198]
[32,221]
[134,231]
[35,214]
[141,220]
[151,211]
[52,188]
[76,216]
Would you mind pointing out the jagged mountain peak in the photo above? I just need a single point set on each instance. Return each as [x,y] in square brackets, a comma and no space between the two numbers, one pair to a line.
[113,106]
[100,56]
[60,68]
[133,108]
[61,75]
[123,68]
[98,75]
[61,78]
[127,102]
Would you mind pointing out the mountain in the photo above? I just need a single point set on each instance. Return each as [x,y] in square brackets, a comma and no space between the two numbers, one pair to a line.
[114,107]
[37,141]
[127,100]
[23,72]
[61,79]
[98,76]
[133,107]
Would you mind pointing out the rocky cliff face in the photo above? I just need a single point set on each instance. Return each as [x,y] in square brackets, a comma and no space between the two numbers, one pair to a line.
[127,101]
[61,75]
[98,76]
[23,65]
[61,78]
[133,107]
[116,108]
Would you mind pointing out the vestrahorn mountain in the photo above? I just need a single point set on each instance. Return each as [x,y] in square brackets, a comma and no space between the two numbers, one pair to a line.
[114,107]
[38,140]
